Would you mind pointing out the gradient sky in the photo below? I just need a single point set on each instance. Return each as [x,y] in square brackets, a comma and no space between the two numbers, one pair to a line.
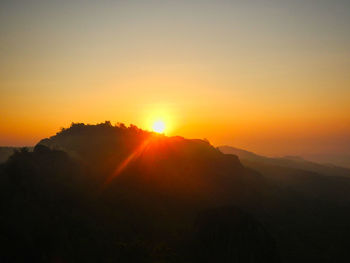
[269,76]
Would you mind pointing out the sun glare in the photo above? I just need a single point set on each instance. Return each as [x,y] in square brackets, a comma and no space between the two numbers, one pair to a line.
[158,126]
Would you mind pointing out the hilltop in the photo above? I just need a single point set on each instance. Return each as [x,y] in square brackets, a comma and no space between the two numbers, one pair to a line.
[111,193]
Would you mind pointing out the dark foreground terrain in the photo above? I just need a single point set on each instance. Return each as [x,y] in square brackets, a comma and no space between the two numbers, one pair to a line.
[103,193]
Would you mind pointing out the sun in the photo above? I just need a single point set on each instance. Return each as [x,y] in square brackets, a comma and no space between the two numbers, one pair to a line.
[158,126]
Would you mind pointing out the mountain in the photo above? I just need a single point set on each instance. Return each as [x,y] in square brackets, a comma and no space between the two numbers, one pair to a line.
[104,193]
[338,159]
[321,182]
[294,162]
[6,152]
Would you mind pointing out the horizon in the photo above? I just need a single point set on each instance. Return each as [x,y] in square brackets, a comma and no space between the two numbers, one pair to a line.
[326,159]
[169,131]
[264,76]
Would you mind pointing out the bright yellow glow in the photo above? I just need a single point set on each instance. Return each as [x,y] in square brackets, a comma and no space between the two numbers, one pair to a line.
[159,118]
[158,126]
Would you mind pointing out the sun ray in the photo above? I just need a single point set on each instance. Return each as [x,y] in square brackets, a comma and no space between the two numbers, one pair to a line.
[121,167]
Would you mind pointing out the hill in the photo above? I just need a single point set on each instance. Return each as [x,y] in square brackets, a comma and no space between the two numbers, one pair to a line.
[294,162]
[6,152]
[104,193]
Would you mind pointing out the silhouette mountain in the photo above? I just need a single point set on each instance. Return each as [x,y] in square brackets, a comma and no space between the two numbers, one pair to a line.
[104,193]
[295,162]
[317,181]
[6,152]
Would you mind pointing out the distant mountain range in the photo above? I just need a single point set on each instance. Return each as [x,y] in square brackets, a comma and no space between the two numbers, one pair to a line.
[295,162]
[317,181]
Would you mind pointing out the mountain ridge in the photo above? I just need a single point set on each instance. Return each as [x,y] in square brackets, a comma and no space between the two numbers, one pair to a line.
[128,195]
[295,162]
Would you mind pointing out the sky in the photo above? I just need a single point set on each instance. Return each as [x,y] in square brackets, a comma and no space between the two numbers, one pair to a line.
[268,76]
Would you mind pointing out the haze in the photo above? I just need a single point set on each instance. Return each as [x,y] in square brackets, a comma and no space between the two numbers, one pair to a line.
[269,76]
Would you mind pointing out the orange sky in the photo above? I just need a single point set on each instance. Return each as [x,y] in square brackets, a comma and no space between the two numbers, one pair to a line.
[267,76]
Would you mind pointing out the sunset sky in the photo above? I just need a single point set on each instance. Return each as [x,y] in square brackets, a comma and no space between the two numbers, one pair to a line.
[268,76]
